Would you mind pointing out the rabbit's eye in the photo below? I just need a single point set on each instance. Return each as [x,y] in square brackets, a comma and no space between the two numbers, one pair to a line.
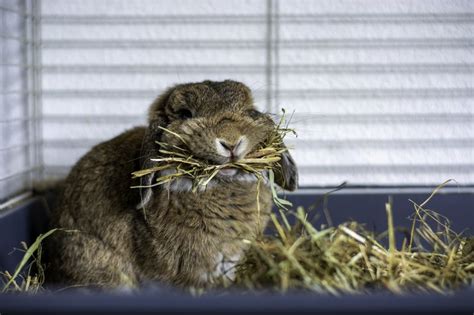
[254,113]
[184,113]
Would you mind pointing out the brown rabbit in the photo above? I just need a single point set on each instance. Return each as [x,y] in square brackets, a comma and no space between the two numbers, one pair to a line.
[166,233]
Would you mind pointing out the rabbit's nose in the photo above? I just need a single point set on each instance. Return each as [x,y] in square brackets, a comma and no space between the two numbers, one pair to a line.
[233,150]
[227,146]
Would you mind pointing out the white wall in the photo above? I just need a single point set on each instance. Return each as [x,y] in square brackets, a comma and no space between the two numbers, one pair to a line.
[382,90]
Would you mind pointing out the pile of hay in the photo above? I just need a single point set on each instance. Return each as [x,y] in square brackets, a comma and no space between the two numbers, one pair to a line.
[349,259]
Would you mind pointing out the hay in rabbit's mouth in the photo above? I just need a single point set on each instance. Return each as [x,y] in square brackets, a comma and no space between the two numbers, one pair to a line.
[174,162]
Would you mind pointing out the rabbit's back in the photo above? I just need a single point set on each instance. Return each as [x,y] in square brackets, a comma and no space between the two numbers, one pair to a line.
[99,184]
[96,207]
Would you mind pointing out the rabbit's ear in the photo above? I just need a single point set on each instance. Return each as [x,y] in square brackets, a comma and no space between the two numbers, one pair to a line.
[148,151]
[232,92]
[150,148]
[286,174]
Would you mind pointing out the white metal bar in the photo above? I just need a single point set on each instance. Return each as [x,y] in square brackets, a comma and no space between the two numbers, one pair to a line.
[15,200]
[4,60]
[16,120]
[153,68]
[72,143]
[139,94]
[358,68]
[381,118]
[269,55]
[382,190]
[299,118]
[12,37]
[150,44]
[324,169]
[154,19]
[308,68]
[379,18]
[317,44]
[16,92]
[16,147]
[80,119]
[380,43]
[37,87]
[28,81]
[10,10]
[382,168]
[294,93]
[15,65]
[383,143]
[380,93]
[302,143]
[276,56]
[18,173]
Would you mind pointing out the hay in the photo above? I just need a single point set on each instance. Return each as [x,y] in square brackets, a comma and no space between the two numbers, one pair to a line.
[349,259]
[24,281]
[182,163]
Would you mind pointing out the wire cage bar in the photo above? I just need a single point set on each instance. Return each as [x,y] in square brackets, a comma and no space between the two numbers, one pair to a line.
[20,124]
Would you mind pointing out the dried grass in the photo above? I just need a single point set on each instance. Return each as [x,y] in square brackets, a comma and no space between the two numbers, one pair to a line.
[183,163]
[349,259]
[22,280]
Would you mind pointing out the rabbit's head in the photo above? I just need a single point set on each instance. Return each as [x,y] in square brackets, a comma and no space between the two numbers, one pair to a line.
[218,123]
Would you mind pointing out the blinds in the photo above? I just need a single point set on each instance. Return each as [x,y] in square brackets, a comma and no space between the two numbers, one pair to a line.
[382,91]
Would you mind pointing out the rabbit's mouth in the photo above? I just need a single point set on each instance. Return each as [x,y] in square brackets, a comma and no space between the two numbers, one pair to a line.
[228,171]
[225,175]
[229,174]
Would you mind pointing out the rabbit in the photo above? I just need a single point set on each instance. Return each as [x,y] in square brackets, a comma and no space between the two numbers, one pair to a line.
[113,236]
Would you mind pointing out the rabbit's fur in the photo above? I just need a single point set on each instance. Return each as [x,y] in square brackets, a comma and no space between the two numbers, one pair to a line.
[166,233]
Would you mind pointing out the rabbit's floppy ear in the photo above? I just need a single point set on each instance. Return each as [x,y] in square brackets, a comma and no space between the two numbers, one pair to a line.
[286,174]
[156,118]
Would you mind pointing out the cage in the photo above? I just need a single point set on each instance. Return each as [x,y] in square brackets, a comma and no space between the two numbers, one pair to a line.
[380,94]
